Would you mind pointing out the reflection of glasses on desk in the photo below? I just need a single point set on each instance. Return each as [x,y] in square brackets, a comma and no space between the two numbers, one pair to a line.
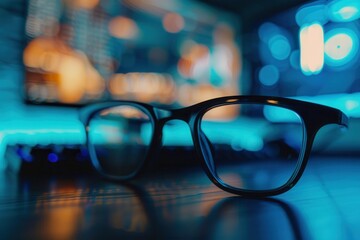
[261,151]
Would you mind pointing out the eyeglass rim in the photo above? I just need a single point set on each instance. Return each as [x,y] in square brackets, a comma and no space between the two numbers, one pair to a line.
[88,112]
[306,111]
[192,115]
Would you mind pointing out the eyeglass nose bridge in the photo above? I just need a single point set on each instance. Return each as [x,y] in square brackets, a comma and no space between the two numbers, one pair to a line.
[187,116]
[165,115]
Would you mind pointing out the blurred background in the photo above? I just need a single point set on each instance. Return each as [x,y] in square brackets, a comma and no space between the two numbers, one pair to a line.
[58,55]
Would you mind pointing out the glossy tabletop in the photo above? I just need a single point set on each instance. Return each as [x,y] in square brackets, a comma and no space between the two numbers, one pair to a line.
[181,203]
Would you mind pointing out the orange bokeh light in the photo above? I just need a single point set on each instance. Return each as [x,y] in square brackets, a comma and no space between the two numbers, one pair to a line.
[69,70]
[85,4]
[190,57]
[123,27]
[173,22]
[146,87]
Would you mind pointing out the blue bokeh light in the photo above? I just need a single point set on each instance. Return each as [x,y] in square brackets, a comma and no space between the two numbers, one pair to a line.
[267,30]
[25,154]
[279,47]
[269,75]
[344,10]
[341,46]
[276,46]
[310,13]
[52,157]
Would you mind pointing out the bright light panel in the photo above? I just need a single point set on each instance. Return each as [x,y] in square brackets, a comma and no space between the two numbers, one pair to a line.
[312,49]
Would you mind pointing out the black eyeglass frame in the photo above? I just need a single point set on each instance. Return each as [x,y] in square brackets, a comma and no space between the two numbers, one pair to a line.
[314,117]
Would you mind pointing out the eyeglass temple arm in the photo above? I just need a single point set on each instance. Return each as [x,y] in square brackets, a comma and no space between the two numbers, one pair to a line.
[344,120]
[324,115]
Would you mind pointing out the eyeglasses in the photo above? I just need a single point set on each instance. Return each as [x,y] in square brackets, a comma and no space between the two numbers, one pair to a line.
[254,146]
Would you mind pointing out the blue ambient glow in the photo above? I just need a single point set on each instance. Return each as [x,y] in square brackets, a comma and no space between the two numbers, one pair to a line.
[341,46]
[351,105]
[112,132]
[344,10]
[347,103]
[177,133]
[311,48]
[237,133]
[44,133]
[250,142]
[277,114]
[39,126]
[269,75]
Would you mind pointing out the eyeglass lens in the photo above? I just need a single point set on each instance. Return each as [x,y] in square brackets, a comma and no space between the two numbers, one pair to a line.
[120,137]
[258,148]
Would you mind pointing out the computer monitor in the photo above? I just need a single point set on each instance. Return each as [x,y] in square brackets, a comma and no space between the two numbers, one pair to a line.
[169,53]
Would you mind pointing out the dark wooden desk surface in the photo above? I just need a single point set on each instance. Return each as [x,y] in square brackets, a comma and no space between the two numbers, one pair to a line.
[181,204]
